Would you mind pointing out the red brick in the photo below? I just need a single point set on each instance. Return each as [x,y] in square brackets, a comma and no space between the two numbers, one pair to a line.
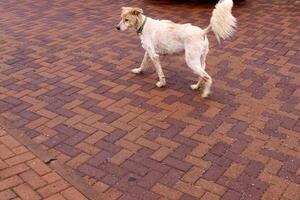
[193,190]
[33,179]
[53,188]
[210,196]
[128,145]
[147,143]
[19,150]
[7,194]
[78,160]
[120,157]
[166,191]
[161,153]
[211,186]
[5,152]
[38,166]
[112,194]
[95,137]
[20,158]
[14,170]
[3,165]
[9,182]
[9,141]
[193,175]
[167,143]
[51,177]
[73,194]
[234,170]
[292,191]
[26,193]
[55,197]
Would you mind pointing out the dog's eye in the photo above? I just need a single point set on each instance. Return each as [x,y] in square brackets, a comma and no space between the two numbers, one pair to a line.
[126,20]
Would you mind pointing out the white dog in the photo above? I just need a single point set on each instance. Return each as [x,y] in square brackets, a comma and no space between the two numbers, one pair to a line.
[161,37]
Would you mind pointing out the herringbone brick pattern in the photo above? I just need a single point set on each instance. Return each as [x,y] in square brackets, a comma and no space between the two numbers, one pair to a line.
[66,82]
[24,176]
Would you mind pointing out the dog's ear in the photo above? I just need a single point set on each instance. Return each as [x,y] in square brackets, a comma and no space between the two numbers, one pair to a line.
[136,11]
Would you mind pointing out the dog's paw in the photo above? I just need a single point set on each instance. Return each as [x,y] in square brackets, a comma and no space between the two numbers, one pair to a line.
[205,93]
[136,70]
[160,84]
[194,87]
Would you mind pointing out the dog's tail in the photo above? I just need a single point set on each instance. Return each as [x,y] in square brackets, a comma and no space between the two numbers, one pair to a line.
[222,22]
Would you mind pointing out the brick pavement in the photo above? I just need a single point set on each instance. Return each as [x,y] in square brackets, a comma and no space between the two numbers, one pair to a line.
[66,83]
[25,176]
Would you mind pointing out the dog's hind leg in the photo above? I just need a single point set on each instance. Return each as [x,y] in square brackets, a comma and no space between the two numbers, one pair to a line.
[144,65]
[198,68]
[203,78]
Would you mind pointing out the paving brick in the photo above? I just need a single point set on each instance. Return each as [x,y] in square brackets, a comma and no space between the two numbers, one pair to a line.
[112,194]
[166,191]
[7,194]
[73,194]
[9,141]
[55,197]
[273,166]
[234,170]
[273,192]
[167,143]
[214,172]
[128,145]
[51,177]
[52,188]
[120,157]
[92,139]
[26,193]
[197,162]
[3,165]
[19,150]
[9,182]
[91,171]
[150,179]
[292,191]
[87,148]
[193,175]
[14,170]
[78,160]
[20,158]
[231,194]
[211,186]
[5,152]
[192,190]
[38,166]
[161,153]
[33,179]
[147,143]
[178,164]
[170,178]
[200,150]
[210,196]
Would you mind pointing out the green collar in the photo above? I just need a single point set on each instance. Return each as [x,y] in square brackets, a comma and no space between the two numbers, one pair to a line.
[140,30]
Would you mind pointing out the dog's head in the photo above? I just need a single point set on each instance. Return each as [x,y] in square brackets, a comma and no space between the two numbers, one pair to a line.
[130,18]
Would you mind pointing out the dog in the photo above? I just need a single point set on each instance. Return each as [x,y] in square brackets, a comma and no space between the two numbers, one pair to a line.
[164,37]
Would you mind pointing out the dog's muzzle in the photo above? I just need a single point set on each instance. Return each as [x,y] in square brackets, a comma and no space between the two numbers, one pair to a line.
[118,28]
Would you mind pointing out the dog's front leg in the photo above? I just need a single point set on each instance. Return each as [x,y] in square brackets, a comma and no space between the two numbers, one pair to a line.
[144,65]
[161,76]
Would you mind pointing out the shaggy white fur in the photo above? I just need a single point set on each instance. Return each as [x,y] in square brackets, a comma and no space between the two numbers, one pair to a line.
[161,37]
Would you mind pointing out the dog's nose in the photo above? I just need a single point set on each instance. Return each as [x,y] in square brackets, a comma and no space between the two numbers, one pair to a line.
[118,28]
